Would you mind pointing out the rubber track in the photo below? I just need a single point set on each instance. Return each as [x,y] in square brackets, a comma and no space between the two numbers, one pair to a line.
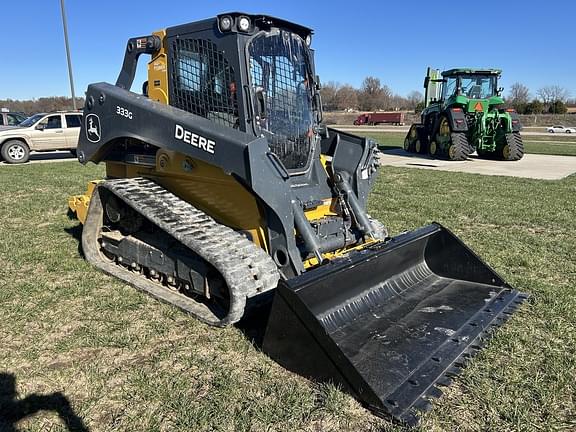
[247,269]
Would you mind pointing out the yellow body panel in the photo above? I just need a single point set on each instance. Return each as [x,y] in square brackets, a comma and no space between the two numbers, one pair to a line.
[158,72]
[79,203]
[204,186]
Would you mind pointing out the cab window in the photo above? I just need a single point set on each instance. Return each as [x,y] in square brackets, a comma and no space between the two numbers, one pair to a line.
[449,88]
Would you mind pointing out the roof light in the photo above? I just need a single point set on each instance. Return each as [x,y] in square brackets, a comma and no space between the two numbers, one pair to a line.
[225,23]
[309,40]
[244,23]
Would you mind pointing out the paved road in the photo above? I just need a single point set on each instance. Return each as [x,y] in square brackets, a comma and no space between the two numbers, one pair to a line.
[535,166]
[404,129]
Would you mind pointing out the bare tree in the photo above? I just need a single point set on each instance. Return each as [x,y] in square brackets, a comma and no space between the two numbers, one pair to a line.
[553,93]
[414,98]
[328,93]
[519,94]
[373,95]
[370,93]
[347,97]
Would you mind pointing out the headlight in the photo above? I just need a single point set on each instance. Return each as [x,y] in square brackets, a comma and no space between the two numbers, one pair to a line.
[244,23]
[225,23]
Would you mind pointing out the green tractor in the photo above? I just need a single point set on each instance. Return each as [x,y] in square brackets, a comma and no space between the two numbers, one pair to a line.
[464,113]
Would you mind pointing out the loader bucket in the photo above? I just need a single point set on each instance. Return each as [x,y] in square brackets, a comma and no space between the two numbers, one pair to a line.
[391,323]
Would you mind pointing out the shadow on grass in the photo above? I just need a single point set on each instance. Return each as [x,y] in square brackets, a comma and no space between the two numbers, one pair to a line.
[76,233]
[387,148]
[13,410]
[254,323]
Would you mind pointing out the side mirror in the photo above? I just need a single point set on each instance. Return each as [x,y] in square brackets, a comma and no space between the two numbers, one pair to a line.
[426,81]
[40,126]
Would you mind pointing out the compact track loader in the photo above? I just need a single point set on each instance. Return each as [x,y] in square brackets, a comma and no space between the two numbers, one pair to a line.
[223,189]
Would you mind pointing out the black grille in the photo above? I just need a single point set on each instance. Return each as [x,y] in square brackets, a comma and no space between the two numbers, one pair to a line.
[203,82]
[279,66]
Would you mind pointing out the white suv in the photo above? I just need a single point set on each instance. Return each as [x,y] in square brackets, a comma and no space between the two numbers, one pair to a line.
[41,132]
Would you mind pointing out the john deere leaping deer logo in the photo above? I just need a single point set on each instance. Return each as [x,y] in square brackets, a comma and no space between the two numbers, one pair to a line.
[92,126]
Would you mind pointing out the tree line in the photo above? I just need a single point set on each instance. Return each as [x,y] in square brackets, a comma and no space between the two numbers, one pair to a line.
[552,99]
[371,96]
[44,104]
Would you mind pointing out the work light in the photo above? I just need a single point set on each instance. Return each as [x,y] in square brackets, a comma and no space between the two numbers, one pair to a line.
[225,23]
[244,23]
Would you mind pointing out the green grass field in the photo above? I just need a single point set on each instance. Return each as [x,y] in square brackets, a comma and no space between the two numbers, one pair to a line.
[128,363]
[552,145]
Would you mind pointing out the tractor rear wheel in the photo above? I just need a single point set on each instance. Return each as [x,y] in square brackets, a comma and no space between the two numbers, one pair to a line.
[459,148]
[514,148]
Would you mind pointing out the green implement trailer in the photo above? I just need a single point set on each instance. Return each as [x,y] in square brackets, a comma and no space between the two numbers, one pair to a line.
[464,113]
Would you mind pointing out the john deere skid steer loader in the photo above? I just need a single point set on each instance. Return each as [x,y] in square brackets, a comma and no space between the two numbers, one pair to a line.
[222,189]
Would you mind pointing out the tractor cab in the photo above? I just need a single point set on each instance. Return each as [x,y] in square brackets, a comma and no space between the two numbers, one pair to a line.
[470,83]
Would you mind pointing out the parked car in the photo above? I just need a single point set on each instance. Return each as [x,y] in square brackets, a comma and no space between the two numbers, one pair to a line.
[561,129]
[8,118]
[40,132]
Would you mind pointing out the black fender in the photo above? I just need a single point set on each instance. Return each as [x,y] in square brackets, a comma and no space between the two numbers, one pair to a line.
[457,119]
[516,125]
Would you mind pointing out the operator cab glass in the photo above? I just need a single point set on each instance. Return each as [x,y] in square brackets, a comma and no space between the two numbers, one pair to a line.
[281,81]
[449,87]
[478,86]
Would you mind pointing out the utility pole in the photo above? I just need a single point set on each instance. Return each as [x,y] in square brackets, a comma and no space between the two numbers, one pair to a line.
[65,25]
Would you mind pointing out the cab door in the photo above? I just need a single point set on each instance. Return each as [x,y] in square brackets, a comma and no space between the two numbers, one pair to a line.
[72,131]
[48,134]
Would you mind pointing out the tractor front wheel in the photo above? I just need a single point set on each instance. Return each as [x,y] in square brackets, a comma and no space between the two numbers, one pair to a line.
[514,148]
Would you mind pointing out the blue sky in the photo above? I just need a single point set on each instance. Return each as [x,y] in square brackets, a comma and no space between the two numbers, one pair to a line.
[533,42]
